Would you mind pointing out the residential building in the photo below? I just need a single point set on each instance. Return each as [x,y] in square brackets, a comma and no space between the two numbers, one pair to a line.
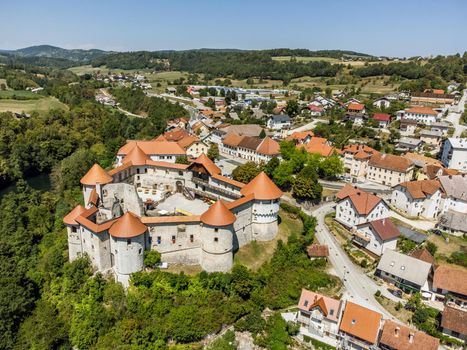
[376,236]
[454,154]
[389,170]
[321,146]
[356,112]
[431,98]
[316,251]
[165,151]
[356,108]
[423,115]
[360,327]
[409,144]
[241,129]
[451,281]
[408,126]
[300,137]
[279,122]
[421,161]
[418,198]
[355,207]
[383,119]
[193,146]
[355,158]
[453,222]
[382,103]
[396,336]
[250,148]
[407,273]
[455,190]
[424,255]
[433,171]
[319,314]
[175,134]
[431,137]
[315,111]
[442,127]
[454,322]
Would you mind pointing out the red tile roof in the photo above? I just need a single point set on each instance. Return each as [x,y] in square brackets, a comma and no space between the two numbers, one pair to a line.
[136,156]
[382,117]
[262,188]
[422,110]
[454,319]
[153,147]
[218,215]
[268,147]
[390,162]
[70,218]
[400,337]
[424,255]
[384,228]
[318,250]
[421,189]
[362,201]
[96,175]
[356,106]
[176,134]
[208,164]
[319,146]
[361,322]
[127,226]
[450,278]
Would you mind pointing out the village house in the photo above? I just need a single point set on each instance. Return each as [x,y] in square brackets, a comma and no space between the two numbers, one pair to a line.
[315,111]
[300,137]
[382,103]
[193,146]
[376,236]
[356,113]
[396,336]
[409,144]
[455,193]
[355,158]
[383,119]
[389,170]
[250,148]
[442,127]
[318,314]
[453,222]
[407,273]
[454,322]
[318,251]
[454,153]
[279,122]
[355,207]
[450,281]
[319,145]
[431,137]
[432,97]
[360,327]
[418,198]
[408,126]
[433,171]
[420,160]
[422,115]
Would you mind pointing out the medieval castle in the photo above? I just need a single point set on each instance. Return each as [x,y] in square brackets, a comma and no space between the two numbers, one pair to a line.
[147,202]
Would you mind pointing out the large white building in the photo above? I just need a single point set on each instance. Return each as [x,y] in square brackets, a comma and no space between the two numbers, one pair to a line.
[418,198]
[123,214]
[423,115]
[389,170]
[454,154]
[355,207]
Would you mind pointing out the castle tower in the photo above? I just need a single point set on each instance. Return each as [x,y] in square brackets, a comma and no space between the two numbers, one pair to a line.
[127,246]
[75,248]
[265,209]
[217,238]
[93,180]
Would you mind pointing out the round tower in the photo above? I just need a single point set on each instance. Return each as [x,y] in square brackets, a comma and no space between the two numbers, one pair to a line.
[127,246]
[265,210]
[75,248]
[92,182]
[217,238]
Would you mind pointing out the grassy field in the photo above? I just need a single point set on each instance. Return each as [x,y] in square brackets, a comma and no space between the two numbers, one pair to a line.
[445,249]
[255,254]
[10,94]
[40,105]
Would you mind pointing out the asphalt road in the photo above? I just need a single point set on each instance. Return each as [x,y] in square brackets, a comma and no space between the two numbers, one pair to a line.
[454,115]
[359,287]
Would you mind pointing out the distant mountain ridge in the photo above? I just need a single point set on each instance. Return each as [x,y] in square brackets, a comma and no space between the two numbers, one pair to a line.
[77,55]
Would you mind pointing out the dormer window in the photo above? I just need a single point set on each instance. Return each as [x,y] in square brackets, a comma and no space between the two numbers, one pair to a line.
[354,322]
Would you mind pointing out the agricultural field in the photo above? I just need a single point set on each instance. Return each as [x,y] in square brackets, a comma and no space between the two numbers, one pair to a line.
[40,105]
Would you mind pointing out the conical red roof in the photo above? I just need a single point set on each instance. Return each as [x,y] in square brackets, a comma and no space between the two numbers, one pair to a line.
[262,188]
[136,156]
[69,219]
[218,215]
[96,175]
[127,226]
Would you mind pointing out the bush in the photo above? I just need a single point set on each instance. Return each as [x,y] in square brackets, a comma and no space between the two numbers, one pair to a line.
[252,323]
[151,258]
[364,263]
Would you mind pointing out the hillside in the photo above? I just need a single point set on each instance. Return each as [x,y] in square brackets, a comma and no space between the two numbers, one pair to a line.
[57,52]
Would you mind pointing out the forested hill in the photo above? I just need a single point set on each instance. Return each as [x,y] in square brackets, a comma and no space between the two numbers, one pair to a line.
[50,51]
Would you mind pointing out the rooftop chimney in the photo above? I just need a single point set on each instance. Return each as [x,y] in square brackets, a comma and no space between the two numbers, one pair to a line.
[396,331]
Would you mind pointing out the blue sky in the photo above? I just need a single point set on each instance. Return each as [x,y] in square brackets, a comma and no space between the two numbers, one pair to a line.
[380,27]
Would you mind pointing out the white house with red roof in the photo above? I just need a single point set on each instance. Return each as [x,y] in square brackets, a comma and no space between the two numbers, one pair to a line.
[376,236]
[355,206]
[383,119]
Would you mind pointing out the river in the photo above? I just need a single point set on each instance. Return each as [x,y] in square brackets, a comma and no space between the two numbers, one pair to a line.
[39,182]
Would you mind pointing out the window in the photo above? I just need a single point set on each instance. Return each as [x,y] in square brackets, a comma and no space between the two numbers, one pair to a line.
[140,251]
[158,239]
[216,239]
[128,241]
[73,228]
[137,170]
[192,238]
[216,230]
[354,321]
[173,240]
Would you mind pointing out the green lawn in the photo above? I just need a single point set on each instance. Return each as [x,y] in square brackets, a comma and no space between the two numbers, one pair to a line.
[20,94]
[40,105]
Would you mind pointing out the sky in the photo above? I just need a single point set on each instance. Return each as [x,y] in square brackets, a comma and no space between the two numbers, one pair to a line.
[400,28]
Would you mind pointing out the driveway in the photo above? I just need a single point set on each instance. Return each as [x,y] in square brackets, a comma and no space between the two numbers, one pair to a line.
[308,126]
[454,115]
[423,225]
